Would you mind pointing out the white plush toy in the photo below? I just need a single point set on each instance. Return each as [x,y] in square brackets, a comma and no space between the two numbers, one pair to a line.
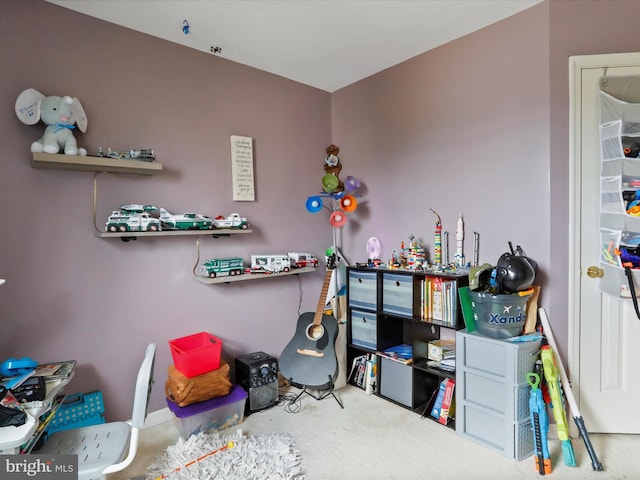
[60,114]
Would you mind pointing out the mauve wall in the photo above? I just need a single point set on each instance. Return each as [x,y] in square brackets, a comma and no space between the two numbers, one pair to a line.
[70,294]
[462,128]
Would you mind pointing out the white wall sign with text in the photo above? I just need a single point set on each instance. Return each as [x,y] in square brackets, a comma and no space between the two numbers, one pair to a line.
[242,168]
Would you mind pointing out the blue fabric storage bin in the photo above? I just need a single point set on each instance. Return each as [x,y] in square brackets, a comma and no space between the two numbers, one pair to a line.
[362,289]
[396,381]
[363,329]
[397,294]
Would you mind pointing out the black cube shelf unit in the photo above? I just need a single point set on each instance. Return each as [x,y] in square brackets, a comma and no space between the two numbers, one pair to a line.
[386,308]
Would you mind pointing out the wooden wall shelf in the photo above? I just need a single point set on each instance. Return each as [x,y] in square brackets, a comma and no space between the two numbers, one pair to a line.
[94,164]
[220,232]
[253,276]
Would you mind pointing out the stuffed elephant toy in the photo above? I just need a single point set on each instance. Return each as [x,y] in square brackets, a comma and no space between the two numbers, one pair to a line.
[60,114]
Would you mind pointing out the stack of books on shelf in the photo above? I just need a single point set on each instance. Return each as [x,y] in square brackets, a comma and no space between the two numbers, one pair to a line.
[364,371]
[447,363]
[442,354]
[400,353]
[444,407]
[438,298]
[449,360]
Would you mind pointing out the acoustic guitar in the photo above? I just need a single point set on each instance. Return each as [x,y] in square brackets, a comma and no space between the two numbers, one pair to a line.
[309,359]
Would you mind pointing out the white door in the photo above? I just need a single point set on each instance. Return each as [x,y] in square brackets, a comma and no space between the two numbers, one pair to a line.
[604,357]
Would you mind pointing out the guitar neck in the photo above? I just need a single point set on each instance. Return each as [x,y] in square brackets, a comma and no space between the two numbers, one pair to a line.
[322,301]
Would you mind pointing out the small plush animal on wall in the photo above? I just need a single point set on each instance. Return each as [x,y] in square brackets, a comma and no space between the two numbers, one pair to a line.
[332,166]
[60,114]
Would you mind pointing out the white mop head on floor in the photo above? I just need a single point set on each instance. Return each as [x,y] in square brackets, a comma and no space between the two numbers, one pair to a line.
[229,457]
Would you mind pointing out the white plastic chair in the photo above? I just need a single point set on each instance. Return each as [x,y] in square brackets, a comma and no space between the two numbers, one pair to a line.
[101,448]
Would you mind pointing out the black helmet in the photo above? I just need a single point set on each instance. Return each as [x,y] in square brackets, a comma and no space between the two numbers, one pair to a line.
[514,273]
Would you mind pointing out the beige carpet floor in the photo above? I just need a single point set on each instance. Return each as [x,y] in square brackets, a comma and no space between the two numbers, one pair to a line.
[372,438]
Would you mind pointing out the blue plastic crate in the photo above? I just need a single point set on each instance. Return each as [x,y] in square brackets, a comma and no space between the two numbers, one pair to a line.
[78,410]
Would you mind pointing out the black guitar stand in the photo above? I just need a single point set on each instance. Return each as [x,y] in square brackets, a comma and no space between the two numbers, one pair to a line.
[319,396]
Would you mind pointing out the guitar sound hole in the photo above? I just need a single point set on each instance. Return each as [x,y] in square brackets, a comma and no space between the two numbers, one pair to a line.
[315,332]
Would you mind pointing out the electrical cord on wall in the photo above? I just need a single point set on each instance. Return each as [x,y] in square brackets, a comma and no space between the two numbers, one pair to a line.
[95,200]
[299,295]
[197,255]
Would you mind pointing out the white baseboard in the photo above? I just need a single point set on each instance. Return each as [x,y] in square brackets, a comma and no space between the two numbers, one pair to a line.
[158,417]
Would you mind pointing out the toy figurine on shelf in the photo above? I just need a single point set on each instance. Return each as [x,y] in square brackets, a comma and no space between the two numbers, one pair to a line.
[412,257]
[145,154]
[445,248]
[459,256]
[415,255]
[437,245]
[396,259]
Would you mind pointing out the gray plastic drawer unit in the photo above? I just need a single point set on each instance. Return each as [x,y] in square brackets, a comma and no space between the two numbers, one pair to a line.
[362,289]
[512,439]
[492,393]
[397,294]
[363,329]
[507,360]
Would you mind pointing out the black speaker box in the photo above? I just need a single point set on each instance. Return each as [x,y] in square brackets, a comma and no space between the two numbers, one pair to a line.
[257,373]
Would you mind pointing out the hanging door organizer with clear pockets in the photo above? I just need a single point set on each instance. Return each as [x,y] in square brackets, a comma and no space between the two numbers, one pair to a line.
[620,194]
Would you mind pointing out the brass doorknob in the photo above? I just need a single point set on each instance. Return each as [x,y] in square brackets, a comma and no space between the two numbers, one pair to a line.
[595,272]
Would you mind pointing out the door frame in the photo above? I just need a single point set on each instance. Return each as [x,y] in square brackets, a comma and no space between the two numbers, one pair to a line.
[577,64]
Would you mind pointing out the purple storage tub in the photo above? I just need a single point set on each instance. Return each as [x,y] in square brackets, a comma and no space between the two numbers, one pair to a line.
[211,415]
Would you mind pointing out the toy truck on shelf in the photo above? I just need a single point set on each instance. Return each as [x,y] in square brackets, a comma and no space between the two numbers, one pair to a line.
[301,260]
[270,263]
[221,267]
[185,221]
[132,221]
[231,221]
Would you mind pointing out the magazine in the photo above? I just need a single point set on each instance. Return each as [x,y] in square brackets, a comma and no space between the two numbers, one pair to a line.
[55,370]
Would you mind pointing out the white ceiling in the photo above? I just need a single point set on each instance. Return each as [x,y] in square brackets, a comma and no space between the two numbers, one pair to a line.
[327,44]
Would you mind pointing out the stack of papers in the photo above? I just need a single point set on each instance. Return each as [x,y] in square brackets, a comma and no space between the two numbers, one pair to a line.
[55,370]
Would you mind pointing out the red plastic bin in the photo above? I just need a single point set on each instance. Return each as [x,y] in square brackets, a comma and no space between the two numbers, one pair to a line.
[196,354]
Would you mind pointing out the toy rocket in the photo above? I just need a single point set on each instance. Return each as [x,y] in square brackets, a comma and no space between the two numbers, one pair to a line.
[437,247]
[445,247]
[476,248]
[459,256]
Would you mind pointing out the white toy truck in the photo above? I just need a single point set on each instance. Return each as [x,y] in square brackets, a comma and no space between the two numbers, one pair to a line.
[231,221]
[301,260]
[129,221]
[270,263]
